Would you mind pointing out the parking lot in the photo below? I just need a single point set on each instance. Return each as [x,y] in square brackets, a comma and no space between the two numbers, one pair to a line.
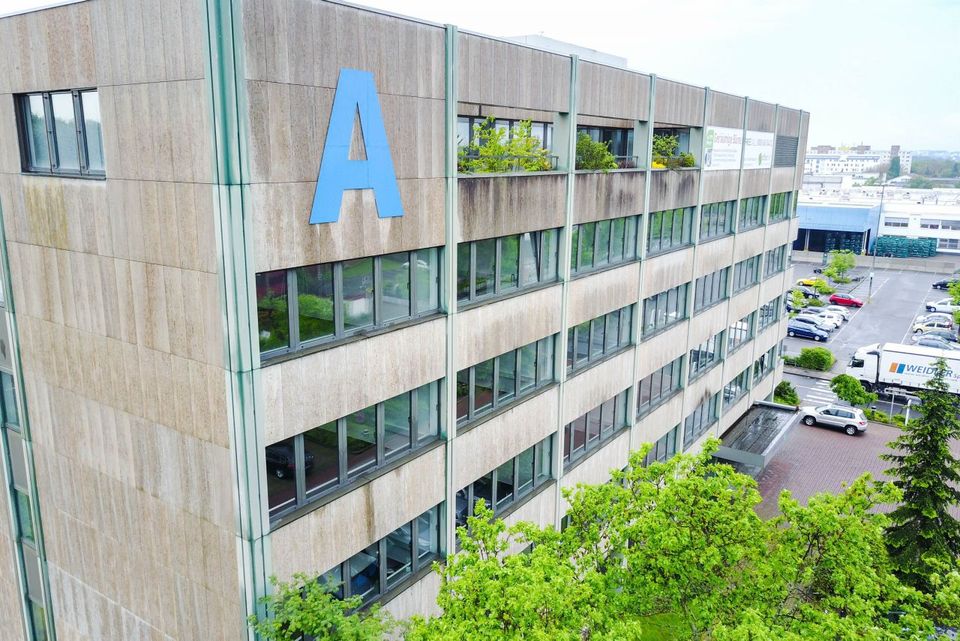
[898,297]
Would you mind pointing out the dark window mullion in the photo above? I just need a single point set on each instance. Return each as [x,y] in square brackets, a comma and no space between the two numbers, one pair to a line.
[293,310]
[299,470]
[497,264]
[341,451]
[81,138]
[473,270]
[377,292]
[379,434]
[412,309]
[51,140]
[338,299]
[414,417]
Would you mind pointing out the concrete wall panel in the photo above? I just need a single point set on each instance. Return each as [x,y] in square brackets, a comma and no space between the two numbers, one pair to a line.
[306,392]
[770,289]
[599,196]
[708,323]
[673,188]
[496,328]
[788,123]
[749,243]
[761,116]
[782,180]
[742,303]
[701,389]
[590,389]
[657,351]
[719,186]
[713,255]
[658,422]
[596,469]
[594,295]
[336,531]
[420,598]
[736,362]
[754,182]
[725,110]
[504,436]
[500,205]
[613,93]
[777,234]
[667,270]
[679,104]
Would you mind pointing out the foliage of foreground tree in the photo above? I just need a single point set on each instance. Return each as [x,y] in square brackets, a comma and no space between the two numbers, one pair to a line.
[924,535]
[680,541]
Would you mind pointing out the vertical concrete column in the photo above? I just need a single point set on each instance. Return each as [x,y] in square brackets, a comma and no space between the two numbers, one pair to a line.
[647,159]
[560,350]
[452,233]
[223,46]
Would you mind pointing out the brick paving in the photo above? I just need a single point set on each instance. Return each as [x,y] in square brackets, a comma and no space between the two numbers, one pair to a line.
[818,459]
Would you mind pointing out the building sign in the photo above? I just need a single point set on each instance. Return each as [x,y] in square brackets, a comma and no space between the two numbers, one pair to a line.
[356,95]
[722,147]
[758,153]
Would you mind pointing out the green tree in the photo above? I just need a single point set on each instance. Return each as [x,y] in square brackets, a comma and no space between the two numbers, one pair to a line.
[797,299]
[305,607]
[849,389]
[924,536]
[954,289]
[919,182]
[871,182]
[894,170]
[816,358]
[786,394]
[841,261]
[497,150]
[665,146]
[592,155]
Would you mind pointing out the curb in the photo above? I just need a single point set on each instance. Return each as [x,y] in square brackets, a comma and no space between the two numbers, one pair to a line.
[809,373]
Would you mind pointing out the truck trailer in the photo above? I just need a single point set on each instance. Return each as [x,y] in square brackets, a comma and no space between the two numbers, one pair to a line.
[890,368]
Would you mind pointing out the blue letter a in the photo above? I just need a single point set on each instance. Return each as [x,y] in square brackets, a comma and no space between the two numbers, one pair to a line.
[356,94]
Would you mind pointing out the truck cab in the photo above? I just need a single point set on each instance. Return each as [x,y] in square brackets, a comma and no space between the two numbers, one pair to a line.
[864,365]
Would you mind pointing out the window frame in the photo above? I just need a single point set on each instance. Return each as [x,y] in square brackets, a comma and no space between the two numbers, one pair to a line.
[658,396]
[27,166]
[624,315]
[628,242]
[676,235]
[570,456]
[652,308]
[542,260]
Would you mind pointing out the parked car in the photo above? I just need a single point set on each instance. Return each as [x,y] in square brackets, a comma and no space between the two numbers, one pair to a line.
[942,305]
[936,323]
[932,316]
[837,309]
[833,317]
[849,419]
[790,306]
[281,462]
[933,341]
[806,291]
[808,282]
[947,335]
[846,300]
[945,283]
[820,323]
[805,330]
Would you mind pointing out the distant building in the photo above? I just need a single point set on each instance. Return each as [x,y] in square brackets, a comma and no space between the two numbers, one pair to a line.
[824,159]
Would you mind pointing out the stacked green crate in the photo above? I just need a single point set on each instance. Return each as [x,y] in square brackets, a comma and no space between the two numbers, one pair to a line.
[900,247]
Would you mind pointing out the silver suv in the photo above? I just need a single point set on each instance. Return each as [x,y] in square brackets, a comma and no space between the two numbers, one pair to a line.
[850,419]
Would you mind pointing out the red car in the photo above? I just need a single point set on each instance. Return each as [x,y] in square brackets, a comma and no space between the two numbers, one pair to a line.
[846,299]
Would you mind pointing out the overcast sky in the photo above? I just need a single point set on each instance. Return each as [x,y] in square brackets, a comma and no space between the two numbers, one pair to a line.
[879,72]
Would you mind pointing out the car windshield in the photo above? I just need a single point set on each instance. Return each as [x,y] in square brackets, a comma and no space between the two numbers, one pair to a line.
[822,408]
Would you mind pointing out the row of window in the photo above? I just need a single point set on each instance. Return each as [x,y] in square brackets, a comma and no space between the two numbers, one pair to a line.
[740,332]
[700,420]
[710,289]
[736,388]
[304,306]
[25,516]
[765,364]
[584,434]
[508,483]
[305,467]
[605,242]
[655,389]
[497,266]
[499,381]
[664,448]
[542,131]
[716,219]
[665,309]
[746,273]
[593,340]
[670,229]
[619,142]
[751,212]
[780,206]
[775,261]
[706,355]
[60,133]
[380,567]
[768,314]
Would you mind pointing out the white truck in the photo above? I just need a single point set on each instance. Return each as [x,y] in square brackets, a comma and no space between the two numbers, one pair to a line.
[892,368]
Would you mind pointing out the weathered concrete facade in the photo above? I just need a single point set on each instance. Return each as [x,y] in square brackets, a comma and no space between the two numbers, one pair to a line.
[132,297]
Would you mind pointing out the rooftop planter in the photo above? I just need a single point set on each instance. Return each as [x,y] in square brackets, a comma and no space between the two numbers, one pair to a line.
[496,150]
[666,156]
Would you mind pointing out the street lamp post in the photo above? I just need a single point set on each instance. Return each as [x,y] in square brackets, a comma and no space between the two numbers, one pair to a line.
[873,266]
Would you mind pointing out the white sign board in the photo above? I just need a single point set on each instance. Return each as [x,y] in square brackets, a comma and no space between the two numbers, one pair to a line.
[722,148]
[758,153]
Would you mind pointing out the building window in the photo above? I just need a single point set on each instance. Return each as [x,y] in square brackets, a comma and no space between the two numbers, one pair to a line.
[603,243]
[746,273]
[306,467]
[751,212]
[740,333]
[705,355]
[597,426]
[669,229]
[710,289]
[716,219]
[502,381]
[60,133]
[664,448]
[926,223]
[498,266]
[700,420]
[593,340]
[619,143]
[657,388]
[665,309]
[378,569]
[765,364]
[948,243]
[737,388]
[775,261]
[466,133]
[305,306]
[780,206]
[896,222]
[768,314]
[509,483]
[950,224]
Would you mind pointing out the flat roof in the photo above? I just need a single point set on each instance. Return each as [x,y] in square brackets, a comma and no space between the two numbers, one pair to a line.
[753,440]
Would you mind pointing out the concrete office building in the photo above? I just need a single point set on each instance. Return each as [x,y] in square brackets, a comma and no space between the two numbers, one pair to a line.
[204,389]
